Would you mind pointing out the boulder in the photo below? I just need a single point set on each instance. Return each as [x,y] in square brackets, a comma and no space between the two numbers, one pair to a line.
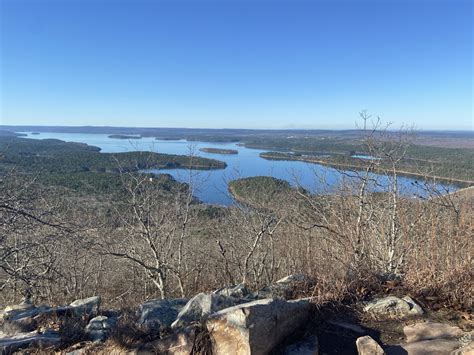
[256,327]
[85,306]
[10,344]
[368,346]
[158,314]
[100,327]
[201,306]
[392,306]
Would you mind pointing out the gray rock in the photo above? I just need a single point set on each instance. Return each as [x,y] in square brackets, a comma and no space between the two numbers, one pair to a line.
[100,327]
[201,306]
[368,346]
[158,314]
[256,327]
[10,344]
[21,311]
[237,291]
[87,306]
[392,306]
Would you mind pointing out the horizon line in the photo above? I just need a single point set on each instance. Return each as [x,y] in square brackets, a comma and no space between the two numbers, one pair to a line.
[224,128]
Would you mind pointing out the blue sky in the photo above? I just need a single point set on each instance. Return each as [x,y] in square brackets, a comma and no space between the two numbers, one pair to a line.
[231,64]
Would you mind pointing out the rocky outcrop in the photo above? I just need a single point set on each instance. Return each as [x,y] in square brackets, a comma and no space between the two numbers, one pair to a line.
[256,327]
[368,346]
[156,315]
[392,306]
[227,321]
[202,306]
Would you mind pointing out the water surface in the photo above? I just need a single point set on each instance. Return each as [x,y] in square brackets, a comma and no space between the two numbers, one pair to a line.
[211,186]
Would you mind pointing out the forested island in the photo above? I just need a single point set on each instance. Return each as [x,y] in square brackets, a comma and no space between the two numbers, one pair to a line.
[219,151]
[259,190]
[83,167]
[124,136]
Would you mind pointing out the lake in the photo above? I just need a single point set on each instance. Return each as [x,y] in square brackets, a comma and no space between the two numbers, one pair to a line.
[211,186]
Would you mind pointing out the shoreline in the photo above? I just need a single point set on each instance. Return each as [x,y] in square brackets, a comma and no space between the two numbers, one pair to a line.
[462,182]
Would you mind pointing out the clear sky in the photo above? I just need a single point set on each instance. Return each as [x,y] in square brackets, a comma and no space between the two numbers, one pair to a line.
[232,64]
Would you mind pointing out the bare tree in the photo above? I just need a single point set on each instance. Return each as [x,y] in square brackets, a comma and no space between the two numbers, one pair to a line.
[31,229]
[154,229]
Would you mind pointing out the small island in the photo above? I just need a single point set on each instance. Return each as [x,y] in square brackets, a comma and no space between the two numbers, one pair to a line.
[124,136]
[168,138]
[259,190]
[219,151]
[35,133]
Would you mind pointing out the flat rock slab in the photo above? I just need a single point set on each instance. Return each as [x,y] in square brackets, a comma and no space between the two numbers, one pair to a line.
[425,347]
[256,327]
[434,338]
[79,307]
[34,339]
[429,330]
[13,313]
